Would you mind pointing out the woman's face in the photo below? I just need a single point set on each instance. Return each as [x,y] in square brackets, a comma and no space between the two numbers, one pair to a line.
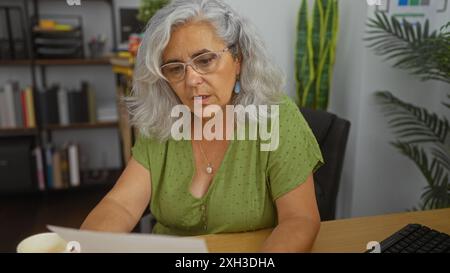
[188,41]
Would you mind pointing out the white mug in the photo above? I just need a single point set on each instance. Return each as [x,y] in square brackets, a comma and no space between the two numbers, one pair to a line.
[48,242]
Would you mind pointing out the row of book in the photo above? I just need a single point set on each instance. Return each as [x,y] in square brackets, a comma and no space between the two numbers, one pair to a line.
[16,106]
[59,106]
[54,106]
[57,167]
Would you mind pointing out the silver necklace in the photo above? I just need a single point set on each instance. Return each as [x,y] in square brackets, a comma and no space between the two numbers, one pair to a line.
[209,168]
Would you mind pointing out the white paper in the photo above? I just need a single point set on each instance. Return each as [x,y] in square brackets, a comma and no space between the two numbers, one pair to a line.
[105,242]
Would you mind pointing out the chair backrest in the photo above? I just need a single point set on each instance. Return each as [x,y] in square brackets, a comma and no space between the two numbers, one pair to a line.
[331,133]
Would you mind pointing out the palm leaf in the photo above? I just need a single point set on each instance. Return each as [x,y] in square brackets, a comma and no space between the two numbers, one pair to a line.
[447,104]
[412,47]
[413,124]
[437,192]
[441,156]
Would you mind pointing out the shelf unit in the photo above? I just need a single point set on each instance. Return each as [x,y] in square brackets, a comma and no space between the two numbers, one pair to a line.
[102,61]
[8,132]
[42,134]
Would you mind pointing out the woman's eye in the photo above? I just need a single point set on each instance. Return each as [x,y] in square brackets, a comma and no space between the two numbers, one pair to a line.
[176,69]
[205,60]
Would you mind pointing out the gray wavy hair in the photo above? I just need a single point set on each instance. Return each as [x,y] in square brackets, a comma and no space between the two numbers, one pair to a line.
[151,99]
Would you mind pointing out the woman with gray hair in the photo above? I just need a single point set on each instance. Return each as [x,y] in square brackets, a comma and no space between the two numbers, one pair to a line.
[199,54]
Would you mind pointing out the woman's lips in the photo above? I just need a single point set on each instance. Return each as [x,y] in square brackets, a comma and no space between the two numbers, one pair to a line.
[203,99]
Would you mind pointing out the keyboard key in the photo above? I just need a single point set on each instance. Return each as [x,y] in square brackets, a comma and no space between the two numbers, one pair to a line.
[409,250]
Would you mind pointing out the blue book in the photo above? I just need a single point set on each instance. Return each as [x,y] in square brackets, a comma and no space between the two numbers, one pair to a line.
[49,164]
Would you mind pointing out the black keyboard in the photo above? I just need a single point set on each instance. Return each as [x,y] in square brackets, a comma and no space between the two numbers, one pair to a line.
[415,238]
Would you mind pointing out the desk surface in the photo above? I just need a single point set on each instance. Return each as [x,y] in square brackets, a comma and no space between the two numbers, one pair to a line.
[347,235]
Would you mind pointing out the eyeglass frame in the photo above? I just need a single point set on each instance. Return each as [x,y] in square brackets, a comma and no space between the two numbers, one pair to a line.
[191,63]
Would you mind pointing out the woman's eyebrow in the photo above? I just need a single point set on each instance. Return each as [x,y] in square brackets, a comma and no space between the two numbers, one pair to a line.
[204,50]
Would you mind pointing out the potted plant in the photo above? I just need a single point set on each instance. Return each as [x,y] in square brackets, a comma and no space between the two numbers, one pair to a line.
[148,8]
[422,136]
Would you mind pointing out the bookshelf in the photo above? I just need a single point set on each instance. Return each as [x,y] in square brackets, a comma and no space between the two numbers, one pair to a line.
[101,61]
[41,133]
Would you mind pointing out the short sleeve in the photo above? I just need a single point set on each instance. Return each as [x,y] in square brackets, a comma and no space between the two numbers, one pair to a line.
[297,155]
[140,151]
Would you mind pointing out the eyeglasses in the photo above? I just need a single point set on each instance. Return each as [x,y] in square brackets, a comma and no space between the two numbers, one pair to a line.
[204,63]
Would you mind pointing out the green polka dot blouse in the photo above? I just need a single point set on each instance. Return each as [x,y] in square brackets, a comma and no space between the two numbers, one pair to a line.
[242,195]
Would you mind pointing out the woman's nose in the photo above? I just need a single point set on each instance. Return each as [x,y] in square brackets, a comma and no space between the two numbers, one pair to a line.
[192,77]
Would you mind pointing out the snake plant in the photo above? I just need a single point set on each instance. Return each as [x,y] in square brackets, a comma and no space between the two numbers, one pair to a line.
[315,52]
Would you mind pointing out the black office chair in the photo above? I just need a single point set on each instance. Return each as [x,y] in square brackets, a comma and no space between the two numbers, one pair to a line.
[331,133]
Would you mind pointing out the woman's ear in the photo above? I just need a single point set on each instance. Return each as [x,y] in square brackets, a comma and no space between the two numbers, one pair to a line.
[238,65]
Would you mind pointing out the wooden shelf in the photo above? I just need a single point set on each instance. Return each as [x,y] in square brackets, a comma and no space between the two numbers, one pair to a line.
[34,131]
[37,30]
[101,61]
[18,131]
[82,125]
[107,183]
[15,62]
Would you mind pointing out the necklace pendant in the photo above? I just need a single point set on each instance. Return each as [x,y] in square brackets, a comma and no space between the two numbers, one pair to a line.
[209,169]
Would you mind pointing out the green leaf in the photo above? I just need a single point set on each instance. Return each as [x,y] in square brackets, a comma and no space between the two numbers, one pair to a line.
[436,194]
[419,122]
[410,47]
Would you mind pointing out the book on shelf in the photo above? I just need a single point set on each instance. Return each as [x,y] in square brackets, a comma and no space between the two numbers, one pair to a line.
[122,59]
[92,106]
[58,167]
[48,105]
[74,99]
[46,167]
[64,166]
[16,106]
[84,96]
[40,176]
[49,165]
[57,174]
[127,71]
[74,165]
[63,108]
[30,109]
[59,106]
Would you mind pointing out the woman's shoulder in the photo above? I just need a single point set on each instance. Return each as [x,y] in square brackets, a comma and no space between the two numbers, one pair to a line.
[289,113]
[149,142]
[287,105]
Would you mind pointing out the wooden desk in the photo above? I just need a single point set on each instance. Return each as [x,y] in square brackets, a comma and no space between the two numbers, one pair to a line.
[348,235]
